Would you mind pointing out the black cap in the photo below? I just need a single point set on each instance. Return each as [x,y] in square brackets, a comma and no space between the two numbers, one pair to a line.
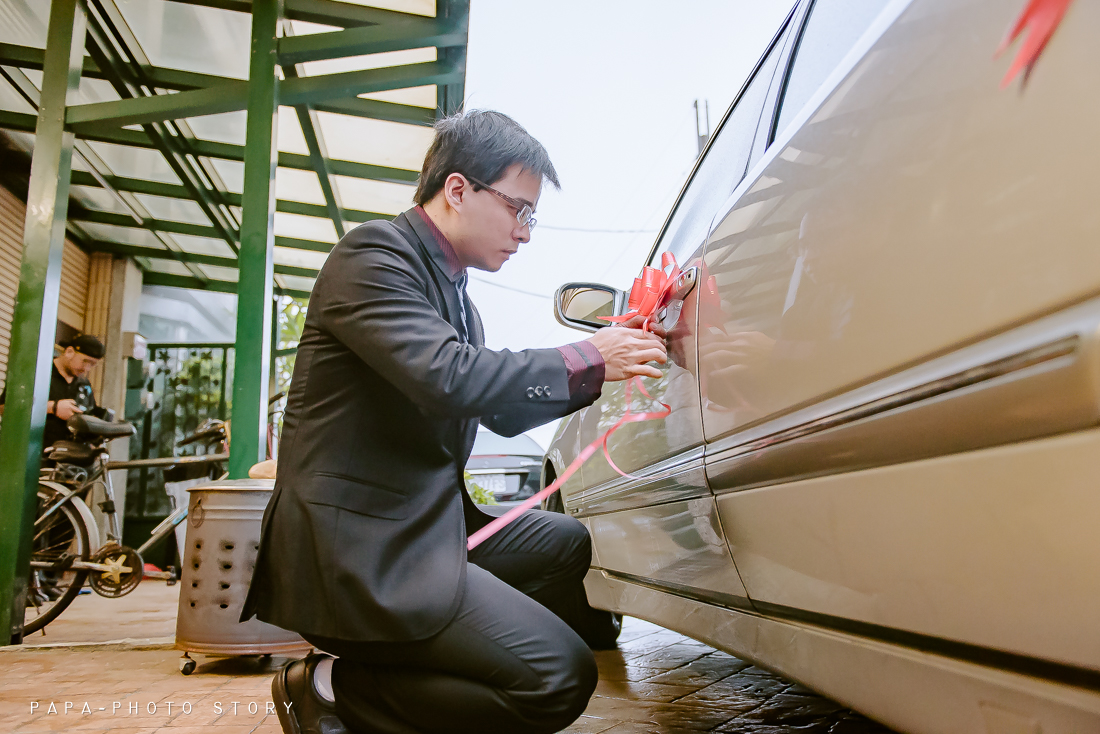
[87,345]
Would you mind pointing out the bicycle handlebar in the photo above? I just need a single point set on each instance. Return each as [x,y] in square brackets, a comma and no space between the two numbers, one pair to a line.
[209,430]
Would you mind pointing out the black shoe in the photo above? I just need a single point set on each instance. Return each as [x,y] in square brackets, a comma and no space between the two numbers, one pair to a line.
[309,713]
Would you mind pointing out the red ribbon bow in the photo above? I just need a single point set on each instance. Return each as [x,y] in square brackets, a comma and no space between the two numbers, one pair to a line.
[1041,18]
[650,293]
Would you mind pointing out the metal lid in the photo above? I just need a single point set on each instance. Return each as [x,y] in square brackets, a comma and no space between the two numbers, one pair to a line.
[240,485]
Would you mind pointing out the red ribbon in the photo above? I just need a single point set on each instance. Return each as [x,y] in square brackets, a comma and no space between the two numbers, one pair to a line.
[649,294]
[1041,18]
[650,291]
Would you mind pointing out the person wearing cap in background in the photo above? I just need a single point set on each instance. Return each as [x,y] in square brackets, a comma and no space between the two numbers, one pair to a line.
[70,391]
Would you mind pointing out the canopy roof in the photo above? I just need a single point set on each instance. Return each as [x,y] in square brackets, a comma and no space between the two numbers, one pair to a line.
[160,123]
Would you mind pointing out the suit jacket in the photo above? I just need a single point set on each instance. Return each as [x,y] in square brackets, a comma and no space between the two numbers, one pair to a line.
[364,537]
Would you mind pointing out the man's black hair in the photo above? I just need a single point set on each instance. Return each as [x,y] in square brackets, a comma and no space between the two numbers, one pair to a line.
[481,144]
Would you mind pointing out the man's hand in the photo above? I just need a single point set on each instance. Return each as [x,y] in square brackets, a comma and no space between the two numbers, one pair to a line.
[66,409]
[626,351]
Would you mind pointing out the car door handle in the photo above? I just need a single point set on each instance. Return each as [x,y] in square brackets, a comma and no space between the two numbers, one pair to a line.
[670,314]
[684,283]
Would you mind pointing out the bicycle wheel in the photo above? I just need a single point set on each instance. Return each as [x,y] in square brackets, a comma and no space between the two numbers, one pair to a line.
[52,586]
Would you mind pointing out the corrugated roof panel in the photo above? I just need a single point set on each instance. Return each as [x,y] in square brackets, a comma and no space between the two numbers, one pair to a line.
[142,163]
[292,184]
[375,196]
[171,267]
[375,141]
[425,96]
[302,227]
[298,283]
[190,37]
[203,245]
[176,210]
[124,235]
[98,199]
[419,7]
[216,272]
[300,258]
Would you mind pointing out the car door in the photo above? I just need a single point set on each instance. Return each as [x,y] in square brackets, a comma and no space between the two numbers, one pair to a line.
[895,281]
[660,523]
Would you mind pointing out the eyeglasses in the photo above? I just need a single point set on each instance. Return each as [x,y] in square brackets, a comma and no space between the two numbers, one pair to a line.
[524,212]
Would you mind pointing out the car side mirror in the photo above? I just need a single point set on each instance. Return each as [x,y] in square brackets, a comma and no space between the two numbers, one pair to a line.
[579,305]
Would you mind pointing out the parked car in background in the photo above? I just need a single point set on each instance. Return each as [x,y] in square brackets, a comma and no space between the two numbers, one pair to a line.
[507,468]
[881,471]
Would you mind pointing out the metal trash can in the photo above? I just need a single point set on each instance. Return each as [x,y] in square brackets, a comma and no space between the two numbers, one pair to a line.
[223,536]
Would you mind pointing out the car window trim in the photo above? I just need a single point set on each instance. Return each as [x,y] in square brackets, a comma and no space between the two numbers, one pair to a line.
[804,21]
[891,11]
[729,111]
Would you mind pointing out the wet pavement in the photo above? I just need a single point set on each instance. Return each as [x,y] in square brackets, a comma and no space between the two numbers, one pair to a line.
[660,682]
[107,665]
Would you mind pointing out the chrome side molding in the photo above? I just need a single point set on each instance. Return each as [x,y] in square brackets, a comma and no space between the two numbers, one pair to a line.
[1036,380]
[680,477]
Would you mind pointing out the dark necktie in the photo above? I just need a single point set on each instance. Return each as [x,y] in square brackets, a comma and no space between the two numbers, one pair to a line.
[460,286]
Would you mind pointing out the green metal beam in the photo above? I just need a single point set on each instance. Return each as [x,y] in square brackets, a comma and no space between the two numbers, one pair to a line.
[254,285]
[78,214]
[299,244]
[318,151]
[375,109]
[133,185]
[451,95]
[108,27]
[196,230]
[420,33]
[232,96]
[312,89]
[116,248]
[175,191]
[35,318]
[220,286]
[228,151]
[228,97]
[27,57]
[327,12]
[318,155]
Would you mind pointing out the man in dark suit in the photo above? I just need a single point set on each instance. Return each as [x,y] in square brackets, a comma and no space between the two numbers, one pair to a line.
[363,547]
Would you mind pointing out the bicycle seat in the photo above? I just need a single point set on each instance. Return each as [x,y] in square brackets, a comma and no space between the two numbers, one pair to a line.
[88,426]
[73,452]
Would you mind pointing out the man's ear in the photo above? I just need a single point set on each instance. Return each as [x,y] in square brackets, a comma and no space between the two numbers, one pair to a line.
[455,188]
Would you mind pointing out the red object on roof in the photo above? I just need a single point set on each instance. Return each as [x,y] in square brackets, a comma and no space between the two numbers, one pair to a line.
[1041,18]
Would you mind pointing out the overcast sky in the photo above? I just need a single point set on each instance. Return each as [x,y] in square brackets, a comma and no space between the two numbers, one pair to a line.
[608,88]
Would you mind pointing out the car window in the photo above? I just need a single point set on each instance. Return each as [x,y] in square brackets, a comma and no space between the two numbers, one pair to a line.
[829,33]
[720,171]
[486,443]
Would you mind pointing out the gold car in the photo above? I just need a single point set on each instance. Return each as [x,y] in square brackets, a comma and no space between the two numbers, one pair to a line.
[881,471]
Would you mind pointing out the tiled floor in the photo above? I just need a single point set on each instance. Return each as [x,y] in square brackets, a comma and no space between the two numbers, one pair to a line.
[107,665]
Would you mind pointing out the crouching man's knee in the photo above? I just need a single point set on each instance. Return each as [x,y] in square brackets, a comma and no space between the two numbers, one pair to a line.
[566,693]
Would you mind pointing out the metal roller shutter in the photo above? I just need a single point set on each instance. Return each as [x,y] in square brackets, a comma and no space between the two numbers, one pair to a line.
[74,275]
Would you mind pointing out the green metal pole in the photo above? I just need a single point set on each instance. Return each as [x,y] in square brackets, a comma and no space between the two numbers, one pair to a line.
[254,286]
[35,316]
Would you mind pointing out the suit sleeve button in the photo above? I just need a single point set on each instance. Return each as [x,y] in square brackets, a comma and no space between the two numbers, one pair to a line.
[546,391]
[538,391]
[530,392]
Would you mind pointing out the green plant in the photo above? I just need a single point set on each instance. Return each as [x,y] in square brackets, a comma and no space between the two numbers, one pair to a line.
[478,493]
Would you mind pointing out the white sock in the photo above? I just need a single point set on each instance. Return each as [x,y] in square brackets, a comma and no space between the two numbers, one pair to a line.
[322,680]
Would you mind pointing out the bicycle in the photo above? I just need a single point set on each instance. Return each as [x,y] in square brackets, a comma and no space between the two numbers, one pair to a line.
[62,557]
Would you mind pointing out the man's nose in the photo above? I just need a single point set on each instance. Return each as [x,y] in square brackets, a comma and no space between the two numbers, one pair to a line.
[522,234]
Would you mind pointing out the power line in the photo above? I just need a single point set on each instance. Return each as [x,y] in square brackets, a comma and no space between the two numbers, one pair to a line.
[600,231]
[510,288]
